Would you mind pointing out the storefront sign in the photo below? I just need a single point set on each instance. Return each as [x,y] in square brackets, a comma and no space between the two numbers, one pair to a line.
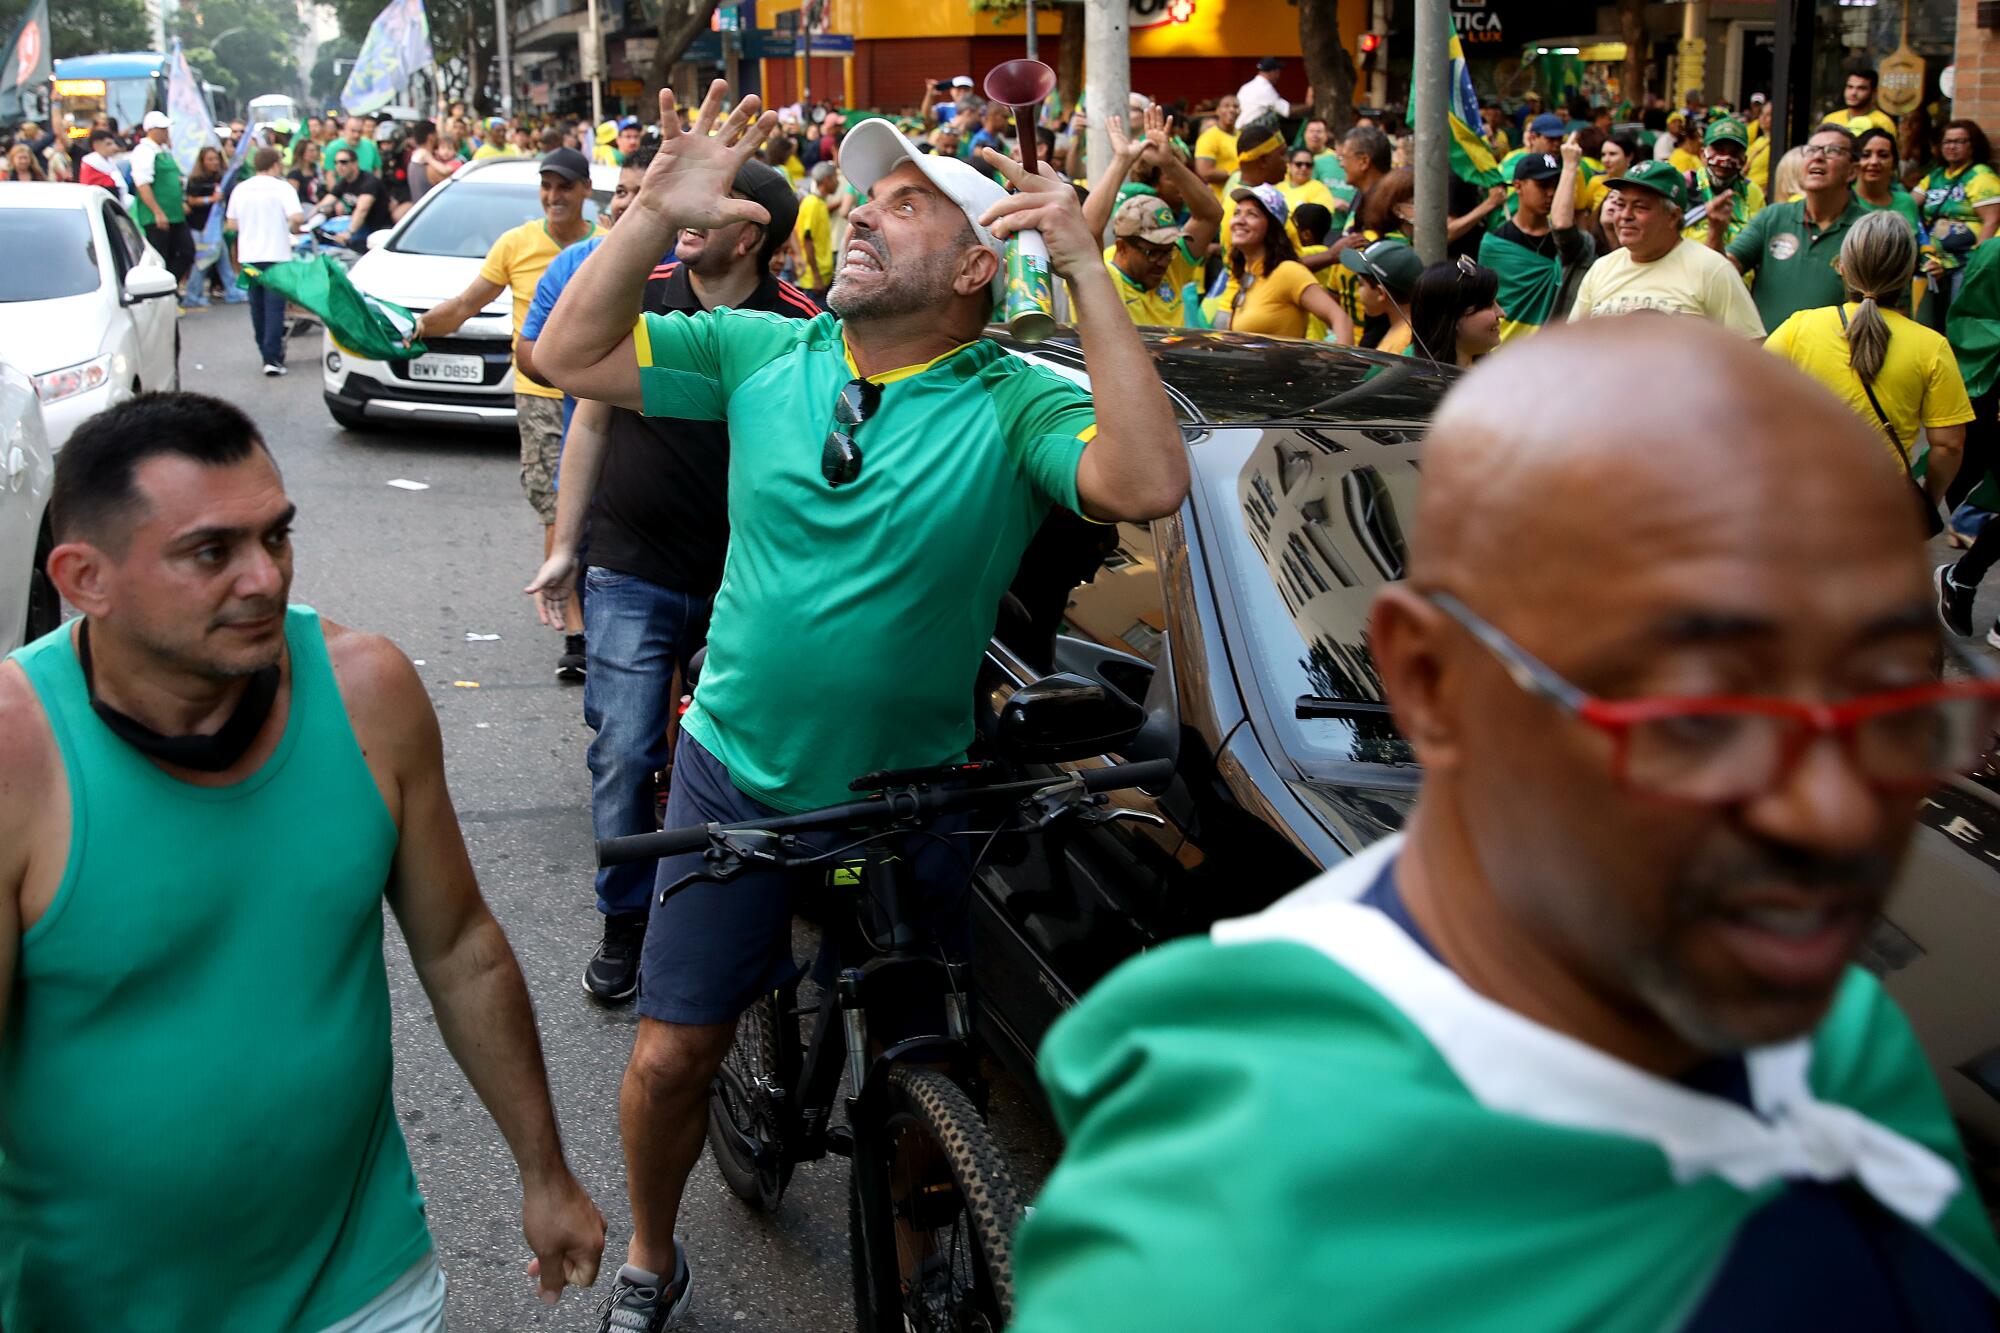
[1475,22]
[1156,13]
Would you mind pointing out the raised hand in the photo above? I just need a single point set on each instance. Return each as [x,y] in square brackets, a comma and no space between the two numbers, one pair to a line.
[690,181]
[1122,146]
[1046,203]
[1159,133]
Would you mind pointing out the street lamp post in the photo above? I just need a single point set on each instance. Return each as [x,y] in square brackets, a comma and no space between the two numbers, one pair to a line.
[1107,65]
[1429,99]
[506,58]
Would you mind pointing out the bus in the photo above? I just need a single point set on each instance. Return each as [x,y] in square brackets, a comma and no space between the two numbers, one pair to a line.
[125,84]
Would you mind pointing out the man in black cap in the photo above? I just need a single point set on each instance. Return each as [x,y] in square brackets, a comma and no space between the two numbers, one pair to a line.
[516,263]
[1539,253]
[1259,98]
[653,492]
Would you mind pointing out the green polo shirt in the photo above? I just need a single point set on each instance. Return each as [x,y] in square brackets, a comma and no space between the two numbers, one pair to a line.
[1793,260]
[851,619]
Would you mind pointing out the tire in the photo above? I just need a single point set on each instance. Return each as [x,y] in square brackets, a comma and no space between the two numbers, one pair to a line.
[44,602]
[349,419]
[952,1212]
[740,1109]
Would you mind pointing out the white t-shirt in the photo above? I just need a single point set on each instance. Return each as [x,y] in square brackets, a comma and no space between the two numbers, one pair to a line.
[261,209]
[1689,279]
[144,154]
[1258,96]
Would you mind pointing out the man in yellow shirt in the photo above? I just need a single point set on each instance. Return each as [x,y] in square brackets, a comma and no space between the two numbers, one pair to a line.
[516,263]
[1152,257]
[1860,113]
[1215,150]
[814,231]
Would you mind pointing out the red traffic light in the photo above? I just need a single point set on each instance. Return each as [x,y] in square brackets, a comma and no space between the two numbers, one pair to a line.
[1371,42]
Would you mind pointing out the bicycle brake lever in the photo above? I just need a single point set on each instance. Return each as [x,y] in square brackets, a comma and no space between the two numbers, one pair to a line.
[1111,813]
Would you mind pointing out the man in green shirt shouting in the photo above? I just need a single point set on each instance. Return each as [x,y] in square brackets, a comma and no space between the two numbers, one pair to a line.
[888,466]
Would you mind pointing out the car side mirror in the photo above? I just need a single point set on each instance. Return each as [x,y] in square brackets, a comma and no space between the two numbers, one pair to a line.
[148,282]
[377,239]
[1065,717]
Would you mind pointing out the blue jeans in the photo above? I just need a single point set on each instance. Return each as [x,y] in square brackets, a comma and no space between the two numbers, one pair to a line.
[267,322]
[635,634]
[197,286]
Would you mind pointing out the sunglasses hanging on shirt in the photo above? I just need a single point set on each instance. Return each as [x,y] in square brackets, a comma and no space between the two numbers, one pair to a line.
[840,456]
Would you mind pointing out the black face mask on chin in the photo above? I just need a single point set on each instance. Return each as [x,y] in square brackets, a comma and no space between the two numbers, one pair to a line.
[203,754]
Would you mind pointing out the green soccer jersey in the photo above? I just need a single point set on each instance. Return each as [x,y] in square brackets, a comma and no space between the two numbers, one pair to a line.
[851,619]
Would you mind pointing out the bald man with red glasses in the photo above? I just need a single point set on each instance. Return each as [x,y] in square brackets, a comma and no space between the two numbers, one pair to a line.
[1585,1047]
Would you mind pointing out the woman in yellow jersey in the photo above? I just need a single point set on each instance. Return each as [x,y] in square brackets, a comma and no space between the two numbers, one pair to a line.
[1894,372]
[1299,187]
[1269,290]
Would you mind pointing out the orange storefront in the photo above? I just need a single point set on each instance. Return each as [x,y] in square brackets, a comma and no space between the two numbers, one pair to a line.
[1197,49]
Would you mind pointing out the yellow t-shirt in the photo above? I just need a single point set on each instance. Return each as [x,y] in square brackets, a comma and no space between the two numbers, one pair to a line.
[1220,145]
[814,229]
[1271,306]
[517,261]
[489,150]
[794,169]
[1919,383]
[1685,160]
[1856,121]
[1689,279]
[1396,341]
[1312,192]
[1161,306]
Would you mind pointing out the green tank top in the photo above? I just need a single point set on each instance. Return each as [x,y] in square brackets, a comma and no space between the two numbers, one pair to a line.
[167,188]
[195,1108]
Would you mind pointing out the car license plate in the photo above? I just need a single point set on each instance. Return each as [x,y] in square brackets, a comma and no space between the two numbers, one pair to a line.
[449,369]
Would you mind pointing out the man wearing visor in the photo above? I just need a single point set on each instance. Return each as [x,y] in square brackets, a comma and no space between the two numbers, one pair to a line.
[888,467]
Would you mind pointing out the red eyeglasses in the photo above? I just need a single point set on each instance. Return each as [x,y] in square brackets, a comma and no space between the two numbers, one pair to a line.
[1729,748]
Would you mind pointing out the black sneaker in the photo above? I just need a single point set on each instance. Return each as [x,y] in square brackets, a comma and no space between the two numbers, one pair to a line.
[639,1304]
[613,974]
[569,667]
[1954,602]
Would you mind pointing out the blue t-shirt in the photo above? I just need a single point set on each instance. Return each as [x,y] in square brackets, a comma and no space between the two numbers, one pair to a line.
[1820,1255]
[550,289]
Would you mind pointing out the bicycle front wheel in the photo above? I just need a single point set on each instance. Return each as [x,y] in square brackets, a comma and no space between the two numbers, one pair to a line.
[949,1223]
[743,1130]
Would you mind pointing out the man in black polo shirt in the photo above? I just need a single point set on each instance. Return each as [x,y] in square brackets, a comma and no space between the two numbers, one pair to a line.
[655,490]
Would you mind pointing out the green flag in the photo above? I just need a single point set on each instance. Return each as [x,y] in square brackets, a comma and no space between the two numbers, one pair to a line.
[1973,326]
[1529,284]
[358,323]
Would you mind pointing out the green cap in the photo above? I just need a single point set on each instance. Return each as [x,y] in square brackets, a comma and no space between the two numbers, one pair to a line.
[1390,264]
[1726,129]
[1662,178]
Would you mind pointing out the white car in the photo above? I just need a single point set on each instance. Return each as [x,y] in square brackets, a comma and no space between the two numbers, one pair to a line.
[86,306]
[429,257]
[29,606]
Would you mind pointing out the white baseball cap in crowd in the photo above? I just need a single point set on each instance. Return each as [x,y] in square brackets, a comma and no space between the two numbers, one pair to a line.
[874,148]
[961,81]
[156,120]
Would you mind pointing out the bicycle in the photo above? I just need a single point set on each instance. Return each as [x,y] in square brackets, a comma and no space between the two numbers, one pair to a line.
[931,1200]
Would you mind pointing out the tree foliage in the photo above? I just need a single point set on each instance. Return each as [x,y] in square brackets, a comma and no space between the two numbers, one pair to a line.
[329,71]
[678,23]
[86,27]
[244,47]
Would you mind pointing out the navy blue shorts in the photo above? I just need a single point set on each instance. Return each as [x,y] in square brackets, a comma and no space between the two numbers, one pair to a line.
[712,949]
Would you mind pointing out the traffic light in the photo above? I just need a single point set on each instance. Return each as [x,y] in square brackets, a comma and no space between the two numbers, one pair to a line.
[1371,51]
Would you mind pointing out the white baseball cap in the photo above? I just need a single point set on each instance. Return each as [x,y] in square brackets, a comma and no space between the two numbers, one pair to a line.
[961,81]
[874,148]
[156,120]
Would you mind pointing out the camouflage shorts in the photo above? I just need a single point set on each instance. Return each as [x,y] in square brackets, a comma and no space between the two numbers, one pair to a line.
[541,450]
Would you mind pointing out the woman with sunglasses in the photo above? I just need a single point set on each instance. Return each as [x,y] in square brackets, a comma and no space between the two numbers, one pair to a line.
[1268,290]
[1455,313]
[1299,186]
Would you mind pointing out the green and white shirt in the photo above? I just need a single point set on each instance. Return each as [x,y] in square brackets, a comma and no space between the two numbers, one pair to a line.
[851,620]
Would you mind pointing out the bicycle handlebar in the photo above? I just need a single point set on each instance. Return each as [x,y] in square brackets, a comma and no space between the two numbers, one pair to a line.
[892,807]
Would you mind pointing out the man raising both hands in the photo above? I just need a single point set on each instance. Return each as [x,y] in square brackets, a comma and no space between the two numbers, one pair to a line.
[888,466]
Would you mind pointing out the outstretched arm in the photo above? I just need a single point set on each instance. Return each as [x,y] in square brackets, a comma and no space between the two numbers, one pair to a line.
[1103,201]
[1135,468]
[586,348]
[450,316]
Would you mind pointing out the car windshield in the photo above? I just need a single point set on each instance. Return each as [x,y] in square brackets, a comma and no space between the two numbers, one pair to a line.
[1306,523]
[49,254]
[464,218]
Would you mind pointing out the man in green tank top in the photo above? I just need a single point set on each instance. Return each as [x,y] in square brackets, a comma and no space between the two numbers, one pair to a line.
[203,791]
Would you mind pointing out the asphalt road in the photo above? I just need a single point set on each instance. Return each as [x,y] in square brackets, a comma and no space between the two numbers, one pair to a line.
[428,568]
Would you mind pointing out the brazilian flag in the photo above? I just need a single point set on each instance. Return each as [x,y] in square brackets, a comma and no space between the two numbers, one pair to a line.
[1471,159]
[361,324]
[1529,283]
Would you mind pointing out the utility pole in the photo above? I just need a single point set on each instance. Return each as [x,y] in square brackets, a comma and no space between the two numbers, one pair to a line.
[1032,53]
[595,40]
[1429,100]
[506,59]
[1107,73]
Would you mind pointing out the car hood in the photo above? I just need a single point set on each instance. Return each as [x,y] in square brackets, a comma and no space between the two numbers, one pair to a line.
[40,336]
[419,282]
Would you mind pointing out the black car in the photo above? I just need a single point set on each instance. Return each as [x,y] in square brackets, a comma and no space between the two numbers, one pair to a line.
[1237,627]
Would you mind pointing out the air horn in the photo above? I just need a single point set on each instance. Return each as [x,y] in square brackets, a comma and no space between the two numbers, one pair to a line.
[1029,308]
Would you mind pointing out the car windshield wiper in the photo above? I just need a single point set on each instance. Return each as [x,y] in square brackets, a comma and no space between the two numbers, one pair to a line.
[1319,706]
